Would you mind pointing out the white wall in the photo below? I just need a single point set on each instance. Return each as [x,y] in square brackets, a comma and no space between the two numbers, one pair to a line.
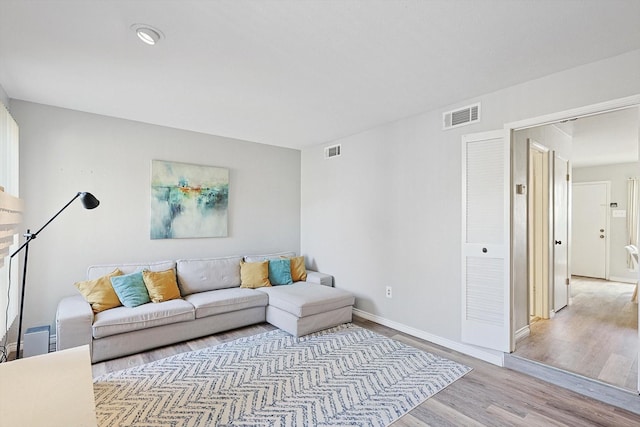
[617,175]
[388,211]
[64,151]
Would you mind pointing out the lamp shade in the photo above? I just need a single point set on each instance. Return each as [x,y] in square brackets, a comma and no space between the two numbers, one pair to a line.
[88,200]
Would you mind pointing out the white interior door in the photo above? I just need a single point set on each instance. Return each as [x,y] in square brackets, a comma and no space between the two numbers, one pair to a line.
[589,229]
[486,240]
[560,233]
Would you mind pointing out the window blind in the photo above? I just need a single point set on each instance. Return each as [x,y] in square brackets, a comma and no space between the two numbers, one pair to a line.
[11,209]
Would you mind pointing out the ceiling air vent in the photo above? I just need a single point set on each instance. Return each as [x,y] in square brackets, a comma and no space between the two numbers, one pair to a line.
[332,151]
[461,117]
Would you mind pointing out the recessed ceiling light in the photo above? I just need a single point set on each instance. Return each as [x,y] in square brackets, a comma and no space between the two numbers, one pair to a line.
[147,33]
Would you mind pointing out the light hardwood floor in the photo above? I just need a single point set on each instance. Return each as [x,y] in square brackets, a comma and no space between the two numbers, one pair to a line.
[595,336]
[487,396]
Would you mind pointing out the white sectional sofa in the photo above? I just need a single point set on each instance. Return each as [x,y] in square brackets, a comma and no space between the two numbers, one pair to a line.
[211,301]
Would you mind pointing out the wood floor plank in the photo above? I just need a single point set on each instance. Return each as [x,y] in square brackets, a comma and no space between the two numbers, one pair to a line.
[486,396]
[449,414]
[530,419]
[601,321]
[615,367]
[410,421]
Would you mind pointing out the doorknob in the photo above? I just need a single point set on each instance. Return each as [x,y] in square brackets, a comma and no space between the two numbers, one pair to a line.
[558,242]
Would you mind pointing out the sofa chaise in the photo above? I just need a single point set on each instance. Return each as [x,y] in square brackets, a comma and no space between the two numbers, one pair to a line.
[211,300]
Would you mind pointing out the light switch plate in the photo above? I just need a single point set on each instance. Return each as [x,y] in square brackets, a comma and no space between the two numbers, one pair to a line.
[619,213]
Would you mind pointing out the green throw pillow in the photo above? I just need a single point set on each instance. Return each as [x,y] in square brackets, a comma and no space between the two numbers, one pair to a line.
[130,289]
[280,271]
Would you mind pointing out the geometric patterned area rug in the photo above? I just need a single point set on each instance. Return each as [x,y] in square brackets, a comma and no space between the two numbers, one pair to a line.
[343,376]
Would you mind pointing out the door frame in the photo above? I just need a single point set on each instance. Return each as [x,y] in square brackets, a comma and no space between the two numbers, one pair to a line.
[511,127]
[542,300]
[568,181]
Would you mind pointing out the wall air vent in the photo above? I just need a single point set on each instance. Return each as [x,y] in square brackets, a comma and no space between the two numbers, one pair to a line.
[332,151]
[461,117]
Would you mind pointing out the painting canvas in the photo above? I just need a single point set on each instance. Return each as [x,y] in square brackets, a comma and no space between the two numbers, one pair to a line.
[188,200]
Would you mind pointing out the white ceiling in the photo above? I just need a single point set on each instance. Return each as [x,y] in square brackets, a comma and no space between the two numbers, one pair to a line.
[292,72]
[609,138]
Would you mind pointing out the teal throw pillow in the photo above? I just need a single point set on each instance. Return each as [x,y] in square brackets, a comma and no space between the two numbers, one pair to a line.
[130,289]
[280,271]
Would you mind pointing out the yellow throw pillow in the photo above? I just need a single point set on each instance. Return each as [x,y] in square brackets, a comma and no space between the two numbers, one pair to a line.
[254,274]
[161,285]
[99,293]
[298,270]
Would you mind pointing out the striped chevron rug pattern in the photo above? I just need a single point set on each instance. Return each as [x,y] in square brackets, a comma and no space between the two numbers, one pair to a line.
[343,376]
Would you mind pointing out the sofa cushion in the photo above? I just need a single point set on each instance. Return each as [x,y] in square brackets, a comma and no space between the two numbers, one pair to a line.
[226,300]
[200,275]
[96,271]
[304,299]
[120,320]
[266,257]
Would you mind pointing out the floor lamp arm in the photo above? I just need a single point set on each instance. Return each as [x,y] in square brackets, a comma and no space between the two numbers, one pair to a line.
[54,217]
[29,237]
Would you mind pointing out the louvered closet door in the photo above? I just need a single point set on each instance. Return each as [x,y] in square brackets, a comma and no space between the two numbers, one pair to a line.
[485,241]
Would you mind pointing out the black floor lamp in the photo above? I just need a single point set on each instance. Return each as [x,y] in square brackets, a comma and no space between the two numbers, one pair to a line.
[89,202]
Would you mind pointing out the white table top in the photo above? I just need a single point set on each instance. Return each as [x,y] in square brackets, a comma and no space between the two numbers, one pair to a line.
[54,390]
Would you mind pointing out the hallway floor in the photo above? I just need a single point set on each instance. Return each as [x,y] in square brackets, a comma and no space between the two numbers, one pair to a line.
[595,336]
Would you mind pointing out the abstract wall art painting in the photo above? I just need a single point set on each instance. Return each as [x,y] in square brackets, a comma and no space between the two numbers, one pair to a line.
[188,201]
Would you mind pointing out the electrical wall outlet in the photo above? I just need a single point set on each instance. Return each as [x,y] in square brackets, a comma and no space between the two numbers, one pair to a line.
[389,292]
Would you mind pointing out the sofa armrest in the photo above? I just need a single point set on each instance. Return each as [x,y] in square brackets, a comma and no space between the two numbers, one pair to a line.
[74,318]
[319,278]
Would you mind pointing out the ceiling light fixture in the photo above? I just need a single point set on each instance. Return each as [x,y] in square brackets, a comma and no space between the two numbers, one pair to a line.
[147,33]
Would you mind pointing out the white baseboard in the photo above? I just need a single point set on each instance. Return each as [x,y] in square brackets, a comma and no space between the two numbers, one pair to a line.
[622,279]
[469,350]
[522,333]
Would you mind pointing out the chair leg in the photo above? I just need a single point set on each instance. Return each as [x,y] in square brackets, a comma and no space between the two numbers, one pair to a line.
[634,298]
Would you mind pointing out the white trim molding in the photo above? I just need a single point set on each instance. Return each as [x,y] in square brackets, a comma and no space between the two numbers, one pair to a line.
[622,279]
[492,356]
[523,333]
[588,110]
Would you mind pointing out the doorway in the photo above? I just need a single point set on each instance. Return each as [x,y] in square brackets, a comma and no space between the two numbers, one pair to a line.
[590,202]
[545,341]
